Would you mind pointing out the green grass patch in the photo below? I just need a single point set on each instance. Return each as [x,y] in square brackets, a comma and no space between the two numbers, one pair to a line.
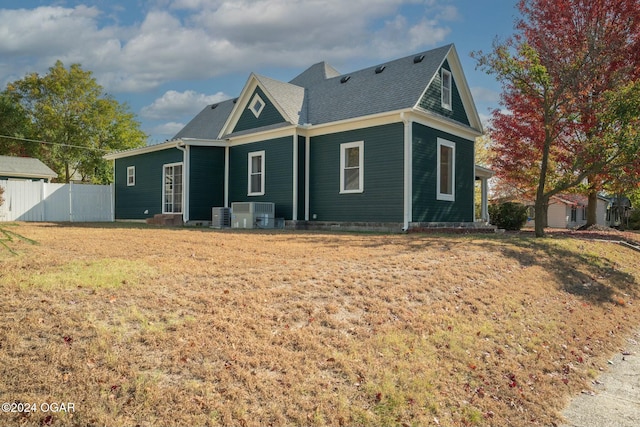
[107,273]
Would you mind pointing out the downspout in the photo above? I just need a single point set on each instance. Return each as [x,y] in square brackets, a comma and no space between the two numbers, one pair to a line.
[295,176]
[307,168]
[226,176]
[185,180]
[408,188]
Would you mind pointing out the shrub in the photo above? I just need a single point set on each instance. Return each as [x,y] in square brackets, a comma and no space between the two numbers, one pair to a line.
[509,215]
[634,219]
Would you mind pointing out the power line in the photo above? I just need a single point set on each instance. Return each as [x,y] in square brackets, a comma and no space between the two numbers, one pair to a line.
[53,143]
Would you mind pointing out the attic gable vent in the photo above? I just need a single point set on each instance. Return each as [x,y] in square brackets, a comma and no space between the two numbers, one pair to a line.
[380,69]
[345,79]
[418,58]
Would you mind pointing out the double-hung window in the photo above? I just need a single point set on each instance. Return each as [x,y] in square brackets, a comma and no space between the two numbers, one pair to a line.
[131,176]
[172,188]
[446,177]
[255,174]
[446,89]
[352,167]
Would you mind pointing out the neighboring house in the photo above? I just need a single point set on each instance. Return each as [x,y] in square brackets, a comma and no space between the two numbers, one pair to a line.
[393,143]
[570,211]
[24,168]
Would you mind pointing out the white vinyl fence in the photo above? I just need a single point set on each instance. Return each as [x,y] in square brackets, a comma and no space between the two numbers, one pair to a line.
[41,201]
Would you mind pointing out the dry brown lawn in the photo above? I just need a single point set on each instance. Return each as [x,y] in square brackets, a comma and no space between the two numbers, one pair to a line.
[132,325]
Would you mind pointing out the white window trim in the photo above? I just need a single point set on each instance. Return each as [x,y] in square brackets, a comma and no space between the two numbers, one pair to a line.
[446,103]
[343,150]
[257,112]
[131,176]
[164,167]
[250,157]
[444,196]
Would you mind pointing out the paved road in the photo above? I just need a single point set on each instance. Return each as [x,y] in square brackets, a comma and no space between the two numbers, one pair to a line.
[615,400]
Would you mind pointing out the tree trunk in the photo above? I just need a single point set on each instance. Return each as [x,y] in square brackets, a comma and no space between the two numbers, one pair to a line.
[541,215]
[592,209]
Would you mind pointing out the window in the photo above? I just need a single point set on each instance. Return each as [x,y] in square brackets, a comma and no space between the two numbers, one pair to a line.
[256,174]
[172,202]
[446,89]
[352,167]
[574,214]
[584,213]
[531,212]
[257,105]
[446,177]
[131,176]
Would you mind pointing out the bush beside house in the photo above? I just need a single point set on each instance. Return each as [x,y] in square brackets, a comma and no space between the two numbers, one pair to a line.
[508,215]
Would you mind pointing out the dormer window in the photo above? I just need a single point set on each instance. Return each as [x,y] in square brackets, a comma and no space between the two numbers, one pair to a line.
[446,89]
[257,105]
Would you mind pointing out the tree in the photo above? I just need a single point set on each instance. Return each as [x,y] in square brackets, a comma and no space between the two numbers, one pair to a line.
[68,109]
[555,73]
[601,41]
[14,123]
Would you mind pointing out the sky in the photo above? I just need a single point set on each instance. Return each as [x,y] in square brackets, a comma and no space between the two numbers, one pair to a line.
[168,59]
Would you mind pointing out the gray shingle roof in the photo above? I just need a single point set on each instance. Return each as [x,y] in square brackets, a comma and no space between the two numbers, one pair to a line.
[315,74]
[25,167]
[208,123]
[317,95]
[399,86]
[289,97]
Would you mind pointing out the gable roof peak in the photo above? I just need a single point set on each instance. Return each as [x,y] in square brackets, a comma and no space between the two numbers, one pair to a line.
[315,74]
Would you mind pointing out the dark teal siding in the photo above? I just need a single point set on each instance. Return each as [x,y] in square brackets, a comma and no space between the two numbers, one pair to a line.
[278,174]
[131,202]
[206,184]
[432,99]
[382,199]
[268,116]
[301,174]
[425,206]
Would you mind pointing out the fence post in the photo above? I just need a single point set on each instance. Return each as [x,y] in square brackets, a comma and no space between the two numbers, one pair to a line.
[71,201]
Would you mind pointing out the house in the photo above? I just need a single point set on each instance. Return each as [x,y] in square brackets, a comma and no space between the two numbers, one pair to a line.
[388,144]
[24,168]
[570,211]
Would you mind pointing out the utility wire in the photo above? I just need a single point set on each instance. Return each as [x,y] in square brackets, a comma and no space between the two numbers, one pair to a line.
[53,143]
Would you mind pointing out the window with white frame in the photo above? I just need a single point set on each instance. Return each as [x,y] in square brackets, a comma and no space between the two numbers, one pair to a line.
[256,105]
[256,174]
[131,176]
[446,89]
[446,182]
[172,188]
[574,214]
[352,167]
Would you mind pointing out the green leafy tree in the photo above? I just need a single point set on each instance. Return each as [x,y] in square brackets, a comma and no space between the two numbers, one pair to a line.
[14,123]
[69,109]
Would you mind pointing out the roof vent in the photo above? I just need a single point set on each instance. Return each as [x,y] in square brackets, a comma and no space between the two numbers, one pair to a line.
[418,58]
[235,100]
[380,69]
[345,79]
[213,107]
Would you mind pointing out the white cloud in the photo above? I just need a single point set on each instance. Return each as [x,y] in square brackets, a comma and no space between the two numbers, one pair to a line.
[482,94]
[167,129]
[177,104]
[202,39]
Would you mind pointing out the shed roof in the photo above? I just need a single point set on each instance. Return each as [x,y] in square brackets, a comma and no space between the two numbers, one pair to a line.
[25,167]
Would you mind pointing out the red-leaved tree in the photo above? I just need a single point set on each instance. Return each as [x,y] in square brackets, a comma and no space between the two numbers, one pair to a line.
[556,72]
